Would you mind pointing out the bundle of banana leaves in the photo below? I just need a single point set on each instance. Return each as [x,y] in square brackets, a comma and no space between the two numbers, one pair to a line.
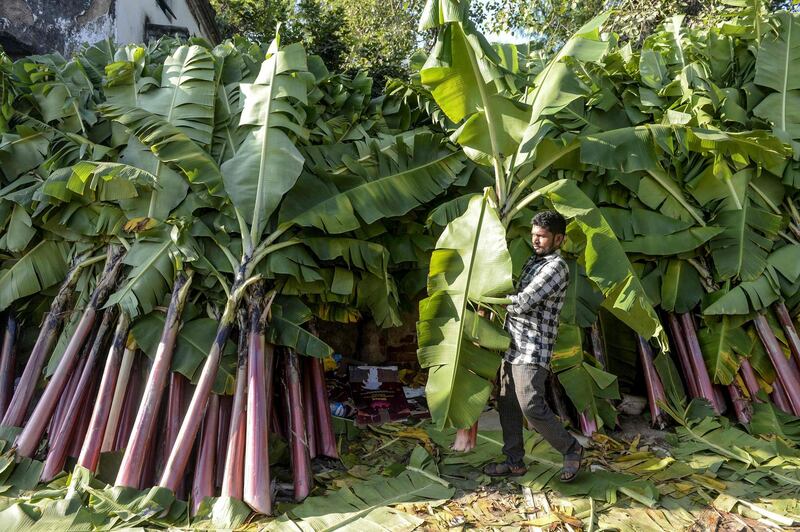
[678,167]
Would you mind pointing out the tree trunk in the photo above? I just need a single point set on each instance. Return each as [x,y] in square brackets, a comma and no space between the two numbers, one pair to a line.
[203,485]
[7,362]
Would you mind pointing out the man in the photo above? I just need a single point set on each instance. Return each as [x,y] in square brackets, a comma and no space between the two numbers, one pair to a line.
[532,323]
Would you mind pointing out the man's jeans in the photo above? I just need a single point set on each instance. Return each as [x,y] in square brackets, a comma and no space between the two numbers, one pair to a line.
[522,392]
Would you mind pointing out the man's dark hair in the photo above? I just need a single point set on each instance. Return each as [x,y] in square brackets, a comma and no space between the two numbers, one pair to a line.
[552,221]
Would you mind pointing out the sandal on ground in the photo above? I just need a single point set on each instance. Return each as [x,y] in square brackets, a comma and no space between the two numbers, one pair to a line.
[572,465]
[505,469]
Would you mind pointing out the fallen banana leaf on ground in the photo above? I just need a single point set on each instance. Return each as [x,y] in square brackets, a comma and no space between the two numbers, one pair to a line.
[363,505]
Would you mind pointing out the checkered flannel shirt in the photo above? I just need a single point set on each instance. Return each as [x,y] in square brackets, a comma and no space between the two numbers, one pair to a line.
[532,319]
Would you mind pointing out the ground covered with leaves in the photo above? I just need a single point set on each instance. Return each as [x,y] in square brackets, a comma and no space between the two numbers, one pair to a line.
[706,474]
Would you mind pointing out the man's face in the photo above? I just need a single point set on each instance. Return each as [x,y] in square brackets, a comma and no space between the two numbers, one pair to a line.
[544,241]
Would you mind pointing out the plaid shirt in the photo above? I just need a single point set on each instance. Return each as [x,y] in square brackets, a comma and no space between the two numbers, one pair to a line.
[532,319]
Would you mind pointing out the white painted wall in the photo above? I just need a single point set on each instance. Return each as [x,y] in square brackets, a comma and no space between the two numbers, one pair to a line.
[131,14]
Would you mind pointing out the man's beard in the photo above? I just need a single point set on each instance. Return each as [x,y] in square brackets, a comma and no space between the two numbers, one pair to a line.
[542,251]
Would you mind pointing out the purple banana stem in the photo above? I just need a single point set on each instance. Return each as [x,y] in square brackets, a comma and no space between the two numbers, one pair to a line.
[655,390]
[787,374]
[77,403]
[233,480]
[683,355]
[301,462]
[46,340]
[203,485]
[256,491]
[308,408]
[789,329]
[7,362]
[224,428]
[326,437]
[120,391]
[144,427]
[597,346]
[31,435]
[741,406]
[750,380]
[702,380]
[588,423]
[779,397]
[90,452]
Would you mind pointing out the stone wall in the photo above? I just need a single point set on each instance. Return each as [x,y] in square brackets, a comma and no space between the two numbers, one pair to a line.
[43,26]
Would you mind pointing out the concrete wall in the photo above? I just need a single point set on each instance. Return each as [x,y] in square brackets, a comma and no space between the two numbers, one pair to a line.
[132,14]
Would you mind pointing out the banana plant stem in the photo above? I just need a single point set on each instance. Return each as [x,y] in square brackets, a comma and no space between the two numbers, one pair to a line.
[29,439]
[145,424]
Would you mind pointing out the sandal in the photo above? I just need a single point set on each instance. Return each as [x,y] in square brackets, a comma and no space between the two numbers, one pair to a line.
[505,469]
[572,465]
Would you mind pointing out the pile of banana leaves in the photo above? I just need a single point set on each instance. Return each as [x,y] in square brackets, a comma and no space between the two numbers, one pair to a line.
[175,217]
[678,166]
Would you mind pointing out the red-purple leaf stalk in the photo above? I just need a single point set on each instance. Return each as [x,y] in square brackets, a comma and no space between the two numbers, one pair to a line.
[257,492]
[48,334]
[90,452]
[702,380]
[69,391]
[203,484]
[789,330]
[789,380]
[144,427]
[308,404]
[124,376]
[82,423]
[77,402]
[683,355]
[588,423]
[655,389]
[132,397]
[742,407]
[326,437]
[179,455]
[779,397]
[750,380]
[7,360]
[31,435]
[233,480]
[301,462]
[225,406]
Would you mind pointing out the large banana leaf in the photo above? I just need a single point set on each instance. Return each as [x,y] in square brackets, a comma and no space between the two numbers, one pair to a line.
[385,183]
[741,250]
[463,75]
[783,267]
[267,163]
[722,342]
[41,267]
[186,96]
[605,260]
[457,345]
[149,279]
[776,68]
